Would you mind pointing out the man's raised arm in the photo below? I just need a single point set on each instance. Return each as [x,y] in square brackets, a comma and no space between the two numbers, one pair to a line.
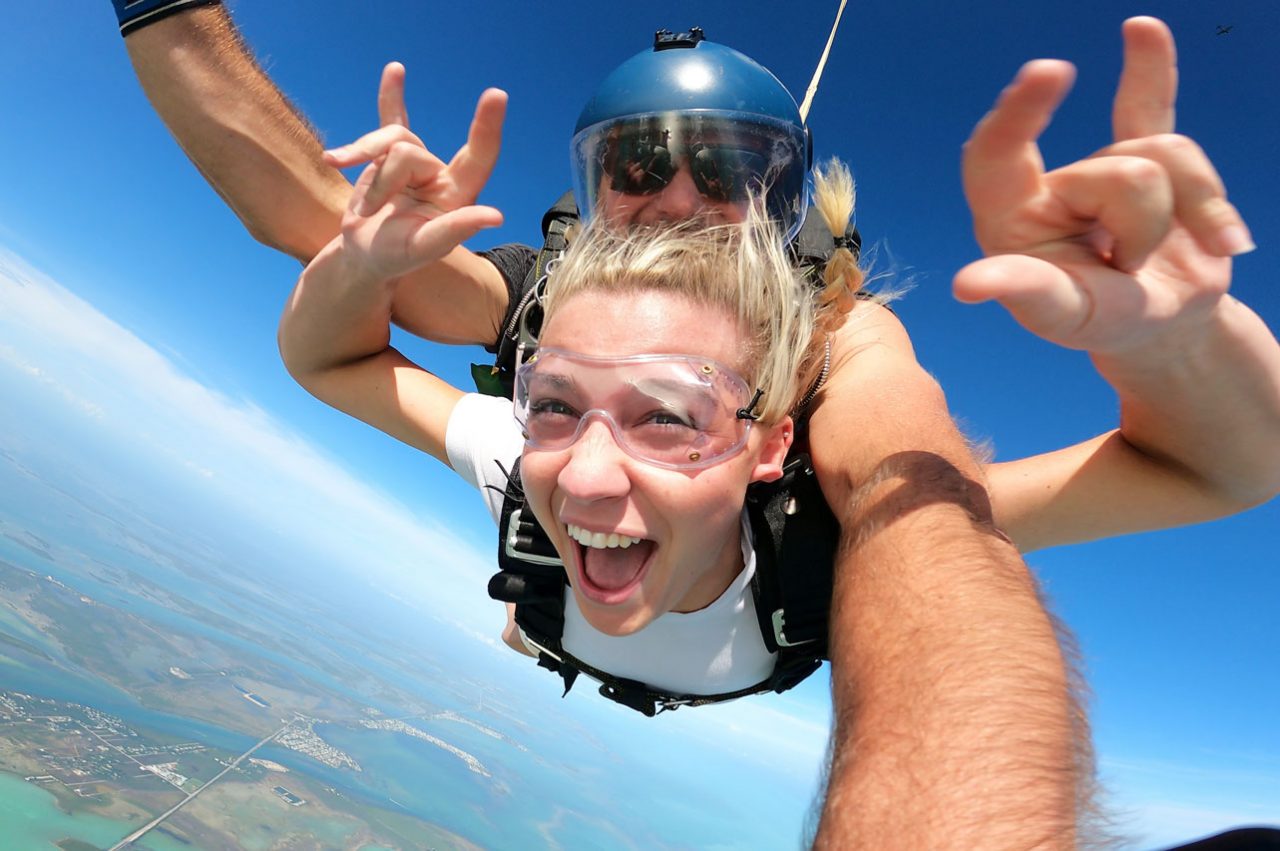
[262,156]
[1126,254]
[255,149]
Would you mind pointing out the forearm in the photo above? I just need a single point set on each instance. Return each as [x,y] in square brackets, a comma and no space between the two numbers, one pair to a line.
[337,316]
[1099,488]
[248,141]
[335,340]
[955,723]
[263,158]
[1207,404]
[460,300]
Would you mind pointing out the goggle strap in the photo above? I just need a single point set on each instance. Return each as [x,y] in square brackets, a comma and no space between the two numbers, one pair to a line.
[748,412]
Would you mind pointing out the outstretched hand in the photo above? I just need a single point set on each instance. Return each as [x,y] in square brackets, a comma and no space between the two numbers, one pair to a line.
[1111,253]
[409,207]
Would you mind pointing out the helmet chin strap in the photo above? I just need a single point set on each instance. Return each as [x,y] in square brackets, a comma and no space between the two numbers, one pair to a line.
[822,63]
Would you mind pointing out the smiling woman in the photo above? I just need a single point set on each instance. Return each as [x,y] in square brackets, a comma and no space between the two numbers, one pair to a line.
[670,363]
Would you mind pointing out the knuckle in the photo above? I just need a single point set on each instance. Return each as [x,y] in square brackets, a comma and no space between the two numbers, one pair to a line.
[403,151]
[1177,145]
[1218,213]
[1139,174]
[1184,158]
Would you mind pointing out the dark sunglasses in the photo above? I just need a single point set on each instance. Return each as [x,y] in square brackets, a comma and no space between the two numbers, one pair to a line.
[642,163]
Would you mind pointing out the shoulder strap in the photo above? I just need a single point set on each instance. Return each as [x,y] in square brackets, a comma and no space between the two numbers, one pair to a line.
[523,322]
[796,536]
[530,572]
[563,213]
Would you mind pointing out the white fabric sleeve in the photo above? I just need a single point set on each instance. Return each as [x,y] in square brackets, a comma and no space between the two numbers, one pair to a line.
[483,437]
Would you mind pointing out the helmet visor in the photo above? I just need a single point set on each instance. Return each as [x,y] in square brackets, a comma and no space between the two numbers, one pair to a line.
[728,156]
[672,411]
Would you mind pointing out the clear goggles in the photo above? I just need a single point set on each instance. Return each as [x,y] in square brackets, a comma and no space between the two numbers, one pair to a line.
[672,411]
[728,156]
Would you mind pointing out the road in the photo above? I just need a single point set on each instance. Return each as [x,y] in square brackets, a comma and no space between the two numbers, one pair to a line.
[142,831]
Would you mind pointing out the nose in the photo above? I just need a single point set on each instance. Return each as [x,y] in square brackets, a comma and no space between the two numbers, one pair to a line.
[596,466]
[680,198]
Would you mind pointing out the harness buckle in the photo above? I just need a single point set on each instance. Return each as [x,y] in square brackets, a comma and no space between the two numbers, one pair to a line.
[779,635]
[512,541]
[633,695]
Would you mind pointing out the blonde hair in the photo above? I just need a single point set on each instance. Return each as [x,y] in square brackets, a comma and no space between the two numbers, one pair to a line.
[833,199]
[742,269]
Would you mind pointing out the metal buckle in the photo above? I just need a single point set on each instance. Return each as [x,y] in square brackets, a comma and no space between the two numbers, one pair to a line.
[511,543]
[779,623]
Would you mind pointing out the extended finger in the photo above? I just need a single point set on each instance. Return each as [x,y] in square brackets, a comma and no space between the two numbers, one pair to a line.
[1002,166]
[1040,295]
[391,108]
[1148,89]
[439,236]
[1130,198]
[474,163]
[1199,197]
[370,146]
[406,165]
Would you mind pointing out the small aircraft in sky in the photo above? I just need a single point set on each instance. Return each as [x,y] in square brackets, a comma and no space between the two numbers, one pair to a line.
[1223,30]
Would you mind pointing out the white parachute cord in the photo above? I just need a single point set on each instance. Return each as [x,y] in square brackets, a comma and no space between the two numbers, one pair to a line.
[822,63]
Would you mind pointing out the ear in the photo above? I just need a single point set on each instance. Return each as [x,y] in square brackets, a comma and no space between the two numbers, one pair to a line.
[774,451]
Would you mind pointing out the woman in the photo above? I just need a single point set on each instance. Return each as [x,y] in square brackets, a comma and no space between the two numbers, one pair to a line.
[670,362]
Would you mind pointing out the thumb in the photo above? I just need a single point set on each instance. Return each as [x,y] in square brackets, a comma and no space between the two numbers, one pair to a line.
[1041,297]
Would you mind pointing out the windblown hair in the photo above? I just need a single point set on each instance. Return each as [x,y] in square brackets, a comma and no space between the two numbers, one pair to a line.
[742,269]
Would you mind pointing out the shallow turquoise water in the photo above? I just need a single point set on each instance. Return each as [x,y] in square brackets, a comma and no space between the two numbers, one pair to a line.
[30,820]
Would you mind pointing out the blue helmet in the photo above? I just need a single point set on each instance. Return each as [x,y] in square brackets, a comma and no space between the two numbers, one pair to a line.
[693,102]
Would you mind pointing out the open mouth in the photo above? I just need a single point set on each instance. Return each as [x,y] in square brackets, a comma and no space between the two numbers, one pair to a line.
[610,565]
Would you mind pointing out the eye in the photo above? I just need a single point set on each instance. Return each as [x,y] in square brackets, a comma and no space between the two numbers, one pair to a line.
[668,418]
[549,408]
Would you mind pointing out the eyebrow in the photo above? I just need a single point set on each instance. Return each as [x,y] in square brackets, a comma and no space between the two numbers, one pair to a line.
[554,380]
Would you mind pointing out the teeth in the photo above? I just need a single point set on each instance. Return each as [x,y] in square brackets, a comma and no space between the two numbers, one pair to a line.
[601,540]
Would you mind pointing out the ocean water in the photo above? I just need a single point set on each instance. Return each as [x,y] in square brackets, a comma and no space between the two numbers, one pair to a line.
[30,820]
[525,803]
[59,685]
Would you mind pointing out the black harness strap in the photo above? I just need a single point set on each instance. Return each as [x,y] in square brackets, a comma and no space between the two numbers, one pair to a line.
[795,538]
[523,320]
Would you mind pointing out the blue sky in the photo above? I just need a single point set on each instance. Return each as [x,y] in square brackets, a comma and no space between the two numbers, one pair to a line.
[151,314]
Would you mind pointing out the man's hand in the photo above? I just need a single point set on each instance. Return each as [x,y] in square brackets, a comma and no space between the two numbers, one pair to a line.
[1125,254]
[409,207]
[1124,249]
